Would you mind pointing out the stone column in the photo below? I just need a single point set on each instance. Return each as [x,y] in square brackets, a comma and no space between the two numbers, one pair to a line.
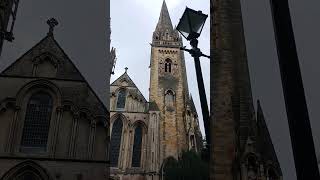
[12,132]
[91,149]
[56,125]
[73,135]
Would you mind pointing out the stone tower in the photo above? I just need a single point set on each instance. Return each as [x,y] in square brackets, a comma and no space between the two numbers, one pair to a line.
[168,86]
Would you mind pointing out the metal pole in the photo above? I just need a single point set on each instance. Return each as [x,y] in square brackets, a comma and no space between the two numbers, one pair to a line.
[296,106]
[196,53]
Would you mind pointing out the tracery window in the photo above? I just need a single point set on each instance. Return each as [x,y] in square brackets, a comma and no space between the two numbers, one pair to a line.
[115,142]
[137,146]
[121,101]
[36,123]
[167,65]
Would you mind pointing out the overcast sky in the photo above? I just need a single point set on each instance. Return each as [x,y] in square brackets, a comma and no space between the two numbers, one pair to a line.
[132,27]
[82,30]
[264,69]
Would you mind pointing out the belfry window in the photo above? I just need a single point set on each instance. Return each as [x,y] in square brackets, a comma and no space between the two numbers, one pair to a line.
[121,101]
[37,123]
[115,142]
[137,146]
[167,65]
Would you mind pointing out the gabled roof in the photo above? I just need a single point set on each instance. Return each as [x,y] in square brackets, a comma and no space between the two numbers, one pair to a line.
[125,81]
[47,47]
[124,77]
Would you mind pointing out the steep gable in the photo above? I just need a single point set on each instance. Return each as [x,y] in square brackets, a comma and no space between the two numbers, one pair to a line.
[124,80]
[45,59]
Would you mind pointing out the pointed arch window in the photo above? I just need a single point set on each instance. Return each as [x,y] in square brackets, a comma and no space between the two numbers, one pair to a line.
[169,98]
[137,146]
[115,143]
[121,100]
[36,123]
[168,64]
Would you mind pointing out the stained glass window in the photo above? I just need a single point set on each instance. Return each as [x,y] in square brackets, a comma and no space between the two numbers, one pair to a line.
[121,101]
[137,145]
[115,142]
[36,124]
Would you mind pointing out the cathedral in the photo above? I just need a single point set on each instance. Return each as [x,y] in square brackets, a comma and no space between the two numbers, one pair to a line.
[145,133]
[53,126]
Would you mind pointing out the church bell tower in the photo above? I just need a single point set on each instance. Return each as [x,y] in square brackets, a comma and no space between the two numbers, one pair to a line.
[168,86]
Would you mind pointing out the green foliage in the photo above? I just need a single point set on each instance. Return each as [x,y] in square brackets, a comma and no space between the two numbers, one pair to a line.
[188,167]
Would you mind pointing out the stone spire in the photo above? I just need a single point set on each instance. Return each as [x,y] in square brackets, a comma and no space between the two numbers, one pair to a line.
[164,19]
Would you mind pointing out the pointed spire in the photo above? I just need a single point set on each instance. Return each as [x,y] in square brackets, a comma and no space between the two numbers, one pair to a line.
[164,19]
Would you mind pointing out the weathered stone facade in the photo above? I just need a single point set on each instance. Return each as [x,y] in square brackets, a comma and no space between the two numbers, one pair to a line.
[169,119]
[242,147]
[77,135]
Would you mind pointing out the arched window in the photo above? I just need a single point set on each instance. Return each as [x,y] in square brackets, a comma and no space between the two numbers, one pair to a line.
[167,67]
[169,98]
[137,146]
[115,142]
[36,123]
[121,101]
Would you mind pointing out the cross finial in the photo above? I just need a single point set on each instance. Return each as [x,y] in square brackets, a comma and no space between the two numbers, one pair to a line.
[126,69]
[52,22]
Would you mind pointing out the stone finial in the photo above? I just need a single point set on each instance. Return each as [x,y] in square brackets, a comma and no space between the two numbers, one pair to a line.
[52,22]
[126,69]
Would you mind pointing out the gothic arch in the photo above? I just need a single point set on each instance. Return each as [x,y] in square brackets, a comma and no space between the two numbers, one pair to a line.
[142,123]
[23,97]
[122,117]
[40,84]
[30,167]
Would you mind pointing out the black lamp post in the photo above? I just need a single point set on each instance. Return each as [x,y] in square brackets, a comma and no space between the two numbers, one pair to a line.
[296,106]
[190,26]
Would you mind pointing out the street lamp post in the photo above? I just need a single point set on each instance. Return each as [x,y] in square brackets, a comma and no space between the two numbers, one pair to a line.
[190,26]
[296,106]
